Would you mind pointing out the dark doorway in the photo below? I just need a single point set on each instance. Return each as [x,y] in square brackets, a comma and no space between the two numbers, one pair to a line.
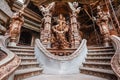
[25,38]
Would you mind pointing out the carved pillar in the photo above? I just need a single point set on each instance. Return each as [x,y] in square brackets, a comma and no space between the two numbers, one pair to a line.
[15,27]
[75,37]
[47,31]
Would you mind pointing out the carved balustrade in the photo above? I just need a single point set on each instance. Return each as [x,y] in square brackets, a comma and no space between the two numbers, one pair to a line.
[61,52]
[115,61]
[77,51]
[60,64]
[10,63]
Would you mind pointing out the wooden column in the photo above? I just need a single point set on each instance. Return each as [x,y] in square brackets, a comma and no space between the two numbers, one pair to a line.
[46,32]
[15,27]
[75,37]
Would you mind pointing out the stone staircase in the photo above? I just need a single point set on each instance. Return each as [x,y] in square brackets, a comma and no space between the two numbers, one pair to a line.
[29,66]
[97,62]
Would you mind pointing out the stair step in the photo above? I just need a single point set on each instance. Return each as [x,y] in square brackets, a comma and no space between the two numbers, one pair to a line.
[97,70]
[21,56]
[25,73]
[26,65]
[21,50]
[97,65]
[102,53]
[102,50]
[31,63]
[108,54]
[21,47]
[98,59]
[108,74]
[26,54]
[99,47]
[94,63]
[27,59]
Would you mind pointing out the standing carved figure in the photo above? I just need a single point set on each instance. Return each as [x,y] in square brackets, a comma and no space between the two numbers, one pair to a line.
[60,31]
[103,23]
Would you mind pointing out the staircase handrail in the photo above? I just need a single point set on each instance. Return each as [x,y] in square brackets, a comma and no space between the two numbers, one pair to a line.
[10,63]
[115,61]
[73,55]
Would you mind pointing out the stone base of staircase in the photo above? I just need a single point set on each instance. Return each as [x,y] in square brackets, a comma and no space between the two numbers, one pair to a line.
[65,77]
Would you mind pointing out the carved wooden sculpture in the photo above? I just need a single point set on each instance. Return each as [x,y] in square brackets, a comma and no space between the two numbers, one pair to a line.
[103,23]
[47,24]
[15,26]
[60,31]
[75,37]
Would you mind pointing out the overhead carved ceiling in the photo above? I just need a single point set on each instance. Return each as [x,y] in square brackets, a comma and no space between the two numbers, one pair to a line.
[41,2]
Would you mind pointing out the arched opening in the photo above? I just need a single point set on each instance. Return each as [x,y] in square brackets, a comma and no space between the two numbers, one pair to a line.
[25,38]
